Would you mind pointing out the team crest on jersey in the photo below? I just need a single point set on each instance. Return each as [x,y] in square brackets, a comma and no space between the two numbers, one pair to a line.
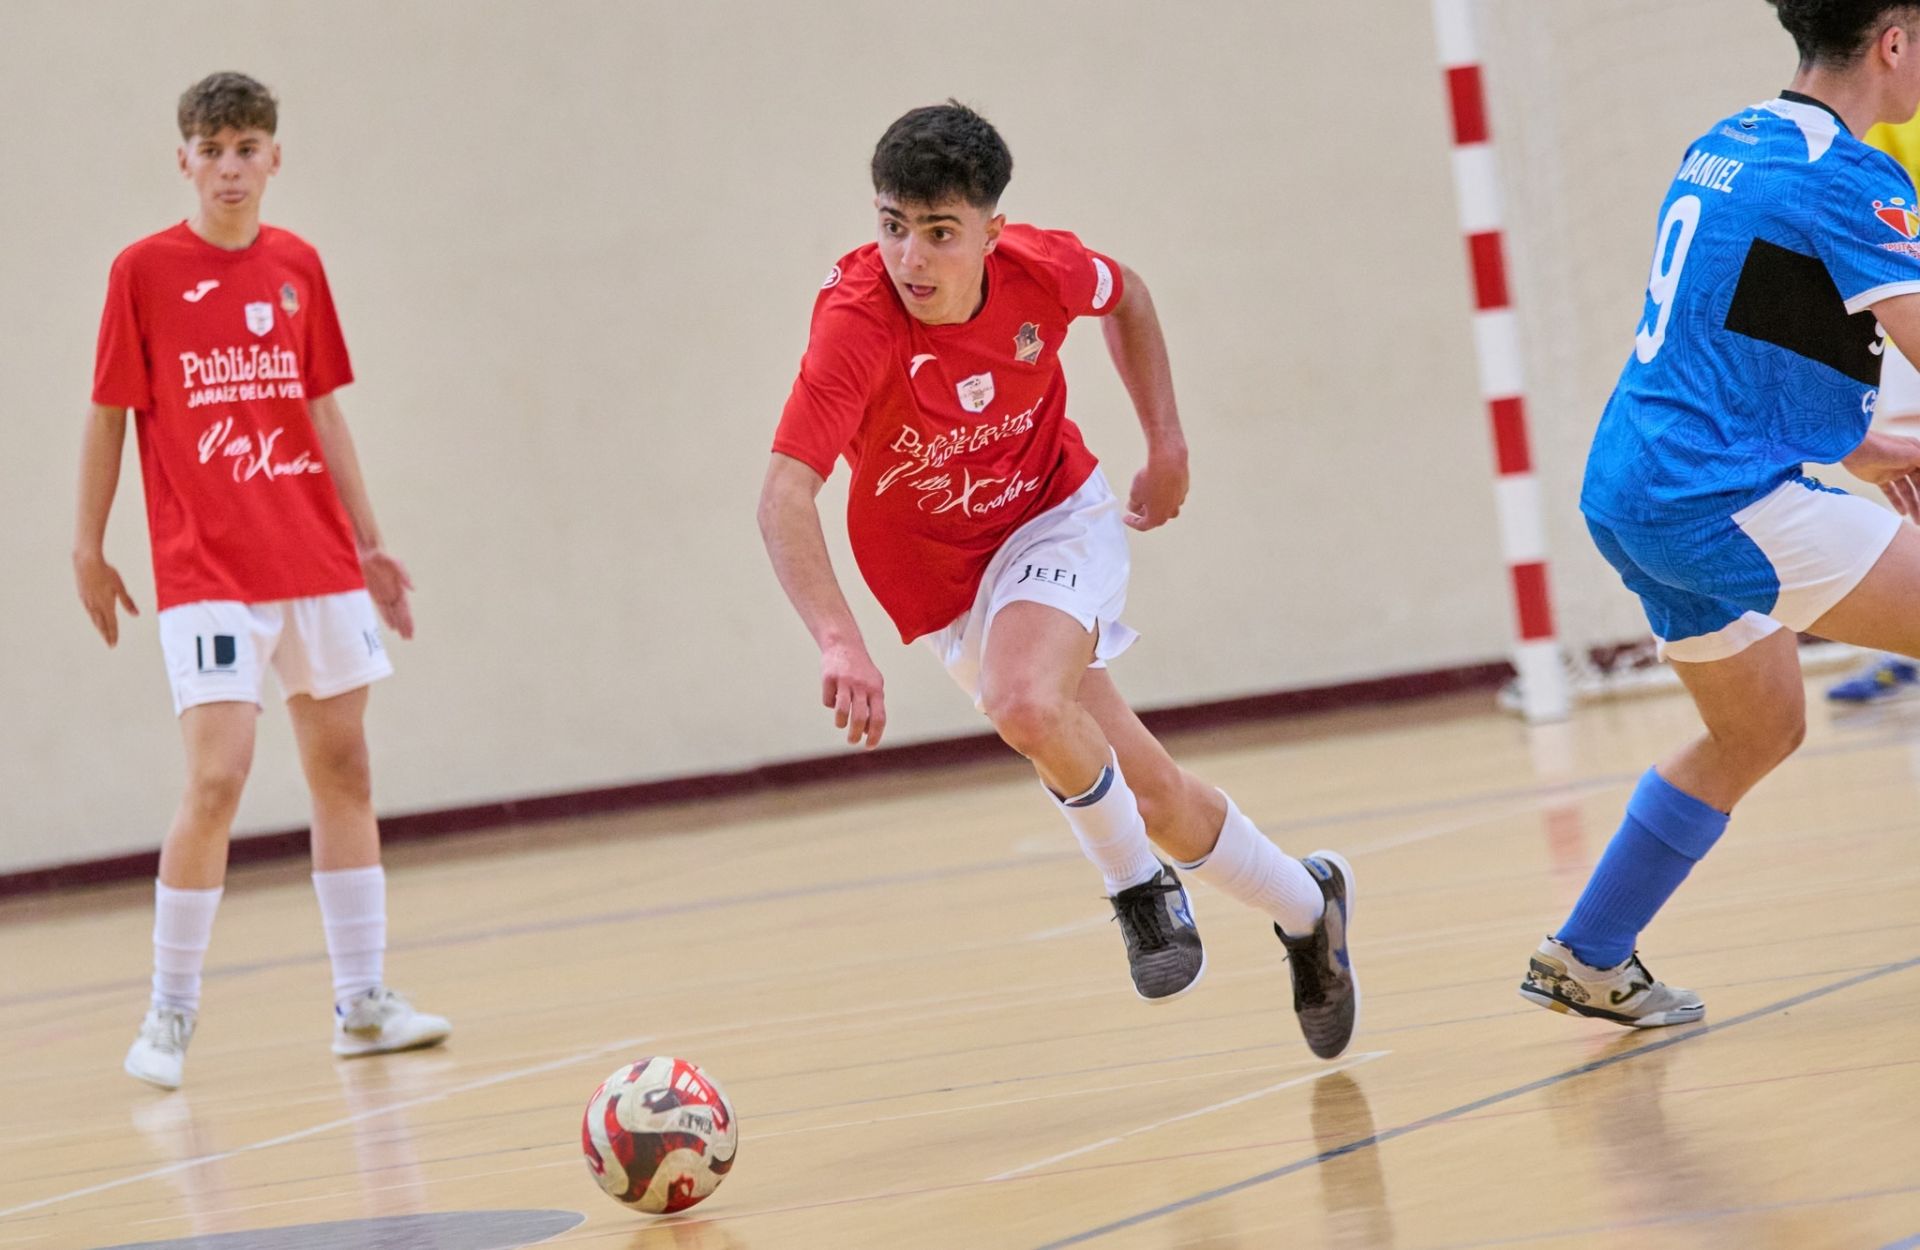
[289,299]
[1027,344]
[1897,214]
[260,318]
[976,392]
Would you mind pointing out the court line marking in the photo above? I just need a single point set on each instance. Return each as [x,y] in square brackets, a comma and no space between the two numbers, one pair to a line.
[1058,1094]
[359,1117]
[1356,1061]
[1508,800]
[1682,1218]
[1479,1104]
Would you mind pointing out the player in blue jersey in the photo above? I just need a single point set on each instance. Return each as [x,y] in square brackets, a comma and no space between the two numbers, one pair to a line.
[1786,248]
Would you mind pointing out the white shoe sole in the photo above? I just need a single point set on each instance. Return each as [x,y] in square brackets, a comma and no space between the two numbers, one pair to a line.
[153,1079]
[349,1047]
[1657,1020]
[1183,991]
[1339,861]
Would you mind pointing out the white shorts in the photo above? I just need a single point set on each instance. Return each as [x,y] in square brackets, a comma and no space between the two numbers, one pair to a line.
[218,651]
[1072,557]
[1714,587]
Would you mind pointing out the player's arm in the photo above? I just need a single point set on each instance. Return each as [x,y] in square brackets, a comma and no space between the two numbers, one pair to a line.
[387,579]
[850,683]
[102,592]
[1888,460]
[1139,352]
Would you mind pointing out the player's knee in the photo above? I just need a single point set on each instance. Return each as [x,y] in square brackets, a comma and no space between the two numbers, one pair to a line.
[1791,732]
[1026,719]
[214,786]
[342,772]
[1767,739]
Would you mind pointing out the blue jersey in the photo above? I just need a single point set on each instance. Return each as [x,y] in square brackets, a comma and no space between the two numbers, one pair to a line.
[1756,352]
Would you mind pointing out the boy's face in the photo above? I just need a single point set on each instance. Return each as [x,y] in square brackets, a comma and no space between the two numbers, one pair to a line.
[936,255]
[230,169]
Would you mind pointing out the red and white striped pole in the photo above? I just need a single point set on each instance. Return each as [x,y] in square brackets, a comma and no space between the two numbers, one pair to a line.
[1544,695]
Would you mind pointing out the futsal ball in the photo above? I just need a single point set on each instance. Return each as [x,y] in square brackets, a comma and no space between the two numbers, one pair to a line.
[659,1135]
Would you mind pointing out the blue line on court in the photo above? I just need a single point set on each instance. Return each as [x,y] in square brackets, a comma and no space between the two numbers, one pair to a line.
[1518,1091]
[852,885]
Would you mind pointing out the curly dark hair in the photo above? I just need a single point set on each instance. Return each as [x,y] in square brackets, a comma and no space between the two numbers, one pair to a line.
[1833,32]
[942,151]
[224,100]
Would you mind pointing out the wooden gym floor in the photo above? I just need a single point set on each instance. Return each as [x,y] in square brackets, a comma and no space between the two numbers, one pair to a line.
[910,990]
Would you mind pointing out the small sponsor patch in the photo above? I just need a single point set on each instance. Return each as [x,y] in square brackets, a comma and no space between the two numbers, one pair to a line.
[975,392]
[1905,247]
[833,278]
[1027,344]
[1102,283]
[1899,216]
[289,299]
[260,318]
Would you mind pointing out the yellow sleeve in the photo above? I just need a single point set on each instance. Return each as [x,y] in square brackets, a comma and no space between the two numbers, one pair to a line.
[1901,142]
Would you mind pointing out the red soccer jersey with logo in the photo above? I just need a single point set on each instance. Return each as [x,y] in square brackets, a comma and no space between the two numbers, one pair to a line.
[217,352]
[956,434]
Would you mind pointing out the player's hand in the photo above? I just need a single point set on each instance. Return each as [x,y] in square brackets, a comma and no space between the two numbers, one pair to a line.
[388,583]
[851,685]
[1891,462]
[101,593]
[1158,490]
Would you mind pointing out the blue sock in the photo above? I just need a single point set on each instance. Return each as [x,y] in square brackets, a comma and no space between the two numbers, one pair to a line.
[1665,833]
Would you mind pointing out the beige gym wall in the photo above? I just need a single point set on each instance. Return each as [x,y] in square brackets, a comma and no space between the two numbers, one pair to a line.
[575,246]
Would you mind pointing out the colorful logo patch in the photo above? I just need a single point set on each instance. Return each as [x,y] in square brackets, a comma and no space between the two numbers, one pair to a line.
[289,299]
[1899,216]
[1027,344]
[975,392]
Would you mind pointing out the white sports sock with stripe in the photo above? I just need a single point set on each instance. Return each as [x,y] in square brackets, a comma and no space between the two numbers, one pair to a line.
[1245,865]
[1105,819]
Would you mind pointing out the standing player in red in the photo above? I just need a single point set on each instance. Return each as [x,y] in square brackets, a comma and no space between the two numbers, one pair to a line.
[983,524]
[220,335]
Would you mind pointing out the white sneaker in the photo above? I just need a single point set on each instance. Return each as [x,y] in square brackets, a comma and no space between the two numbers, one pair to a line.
[158,1054]
[380,1021]
[1625,993]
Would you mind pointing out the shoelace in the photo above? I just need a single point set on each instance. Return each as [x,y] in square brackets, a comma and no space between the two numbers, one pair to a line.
[168,1032]
[1138,911]
[1309,989]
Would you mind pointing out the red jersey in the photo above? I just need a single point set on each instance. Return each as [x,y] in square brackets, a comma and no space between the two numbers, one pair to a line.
[956,434]
[217,352]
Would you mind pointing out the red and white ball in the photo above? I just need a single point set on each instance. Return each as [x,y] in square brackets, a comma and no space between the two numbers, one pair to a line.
[659,1135]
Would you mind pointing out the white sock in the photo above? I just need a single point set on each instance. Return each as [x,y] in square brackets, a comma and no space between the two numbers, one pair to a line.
[182,928]
[1105,819]
[353,908]
[1244,865]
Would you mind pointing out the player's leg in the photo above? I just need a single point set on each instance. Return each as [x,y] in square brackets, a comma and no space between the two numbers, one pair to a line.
[1703,586]
[1030,677]
[213,651]
[1753,707]
[218,738]
[1309,901]
[325,663]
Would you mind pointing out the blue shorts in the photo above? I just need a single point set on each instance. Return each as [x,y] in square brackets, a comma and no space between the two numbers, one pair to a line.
[1713,588]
